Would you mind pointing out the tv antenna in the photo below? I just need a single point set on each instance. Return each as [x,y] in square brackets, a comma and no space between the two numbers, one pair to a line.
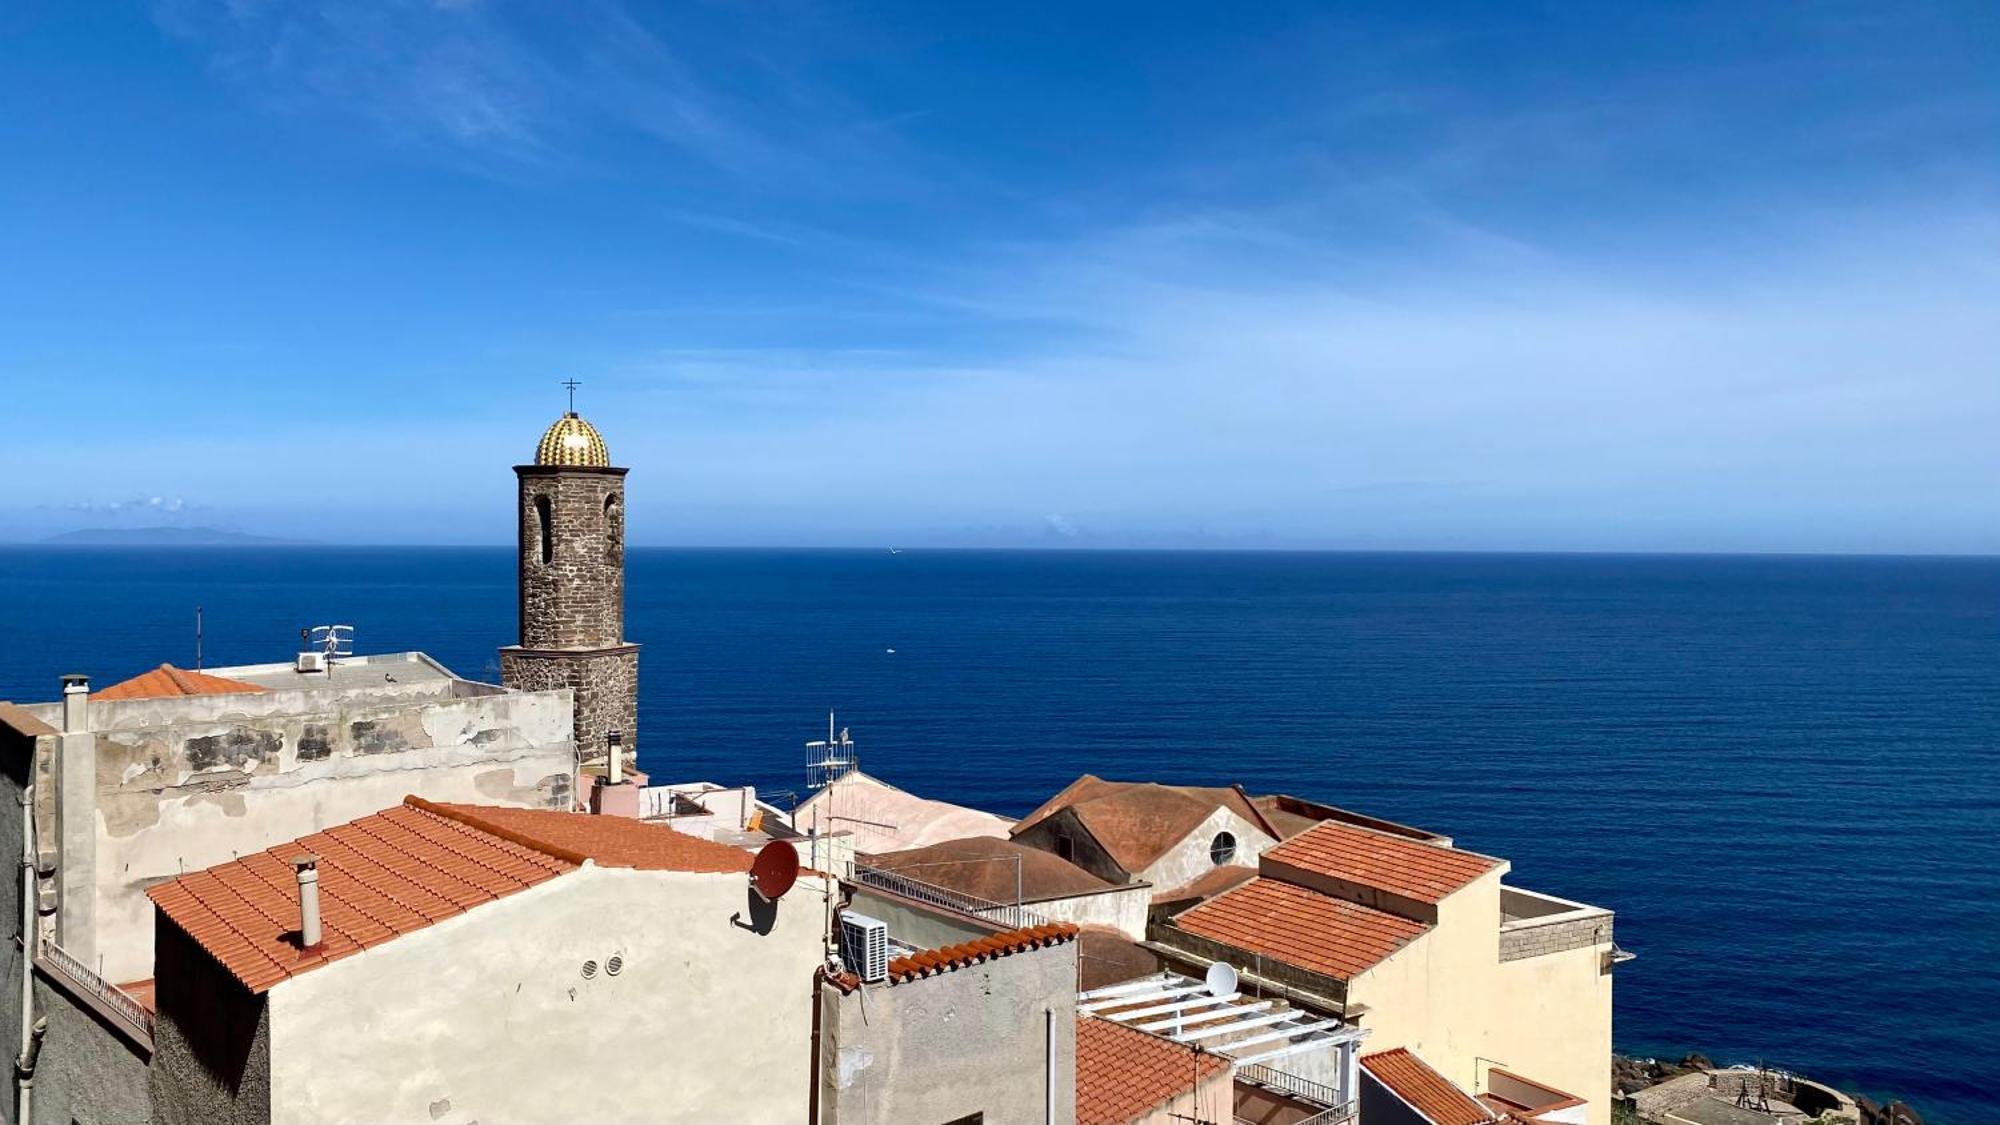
[331,641]
[830,759]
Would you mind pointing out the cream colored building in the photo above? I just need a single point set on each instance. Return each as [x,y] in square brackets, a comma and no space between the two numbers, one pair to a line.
[486,964]
[1424,947]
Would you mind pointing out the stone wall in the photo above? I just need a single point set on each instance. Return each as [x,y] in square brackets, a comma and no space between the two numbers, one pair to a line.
[1521,940]
[572,548]
[604,683]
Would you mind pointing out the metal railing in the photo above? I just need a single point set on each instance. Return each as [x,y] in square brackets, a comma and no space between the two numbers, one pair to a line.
[1290,1083]
[1330,1116]
[116,1000]
[1011,915]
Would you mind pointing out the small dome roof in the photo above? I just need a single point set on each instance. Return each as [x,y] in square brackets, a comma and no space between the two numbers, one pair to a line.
[573,442]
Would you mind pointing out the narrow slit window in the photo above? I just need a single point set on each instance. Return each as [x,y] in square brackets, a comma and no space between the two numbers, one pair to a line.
[545,528]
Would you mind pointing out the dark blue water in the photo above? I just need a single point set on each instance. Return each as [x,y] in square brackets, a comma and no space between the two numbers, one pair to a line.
[1784,773]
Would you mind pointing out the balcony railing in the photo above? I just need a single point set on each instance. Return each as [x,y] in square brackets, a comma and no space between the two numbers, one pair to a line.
[116,1003]
[1013,916]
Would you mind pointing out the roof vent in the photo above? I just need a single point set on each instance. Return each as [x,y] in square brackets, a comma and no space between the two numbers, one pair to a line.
[864,947]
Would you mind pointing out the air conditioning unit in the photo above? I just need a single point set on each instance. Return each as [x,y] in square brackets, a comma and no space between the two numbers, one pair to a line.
[864,947]
[312,662]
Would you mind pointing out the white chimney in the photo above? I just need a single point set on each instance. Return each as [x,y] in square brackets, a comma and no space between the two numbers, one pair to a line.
[614,758]
[308,868]
[76,703]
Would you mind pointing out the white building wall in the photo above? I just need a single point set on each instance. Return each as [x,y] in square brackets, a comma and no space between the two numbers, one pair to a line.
[487,1017]
[1123,909]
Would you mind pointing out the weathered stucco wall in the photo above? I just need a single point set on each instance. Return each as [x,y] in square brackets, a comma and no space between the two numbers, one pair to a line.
[87,1073]
[207,779]
[1123,909]
[1190,859]
[490,1017]
[940,1048]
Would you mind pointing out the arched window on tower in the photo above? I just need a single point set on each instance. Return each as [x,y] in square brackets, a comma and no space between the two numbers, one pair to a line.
[545,531]
[614,527]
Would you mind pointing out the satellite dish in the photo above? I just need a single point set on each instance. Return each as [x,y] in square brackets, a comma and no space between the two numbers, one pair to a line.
[774,872]
[1221,979]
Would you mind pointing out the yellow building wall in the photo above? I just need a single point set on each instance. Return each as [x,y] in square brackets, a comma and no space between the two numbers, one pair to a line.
[1448,997]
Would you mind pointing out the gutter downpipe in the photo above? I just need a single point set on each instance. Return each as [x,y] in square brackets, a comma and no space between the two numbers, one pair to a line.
[31,1028]
[1049,1058]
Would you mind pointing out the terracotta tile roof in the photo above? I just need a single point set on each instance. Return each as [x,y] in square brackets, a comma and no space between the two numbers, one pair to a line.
[1300,927]
[1430,1093]
[167,681]
[1136,822]
[931,962]
[1419,871]
[403,869]
[1123,1074]
[608,841]
[143,991]
[985,867]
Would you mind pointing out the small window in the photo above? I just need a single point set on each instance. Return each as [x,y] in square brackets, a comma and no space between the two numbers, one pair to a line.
[1065,848]
[614,527]
[1222,849]
[545,528]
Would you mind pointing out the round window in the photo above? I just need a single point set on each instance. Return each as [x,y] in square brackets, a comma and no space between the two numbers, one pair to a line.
[1222,849]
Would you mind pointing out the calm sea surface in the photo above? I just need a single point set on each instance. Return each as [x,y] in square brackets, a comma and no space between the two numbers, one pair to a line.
[1783,773]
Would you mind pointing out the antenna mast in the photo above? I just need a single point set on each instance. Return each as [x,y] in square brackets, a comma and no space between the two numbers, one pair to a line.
[831,759]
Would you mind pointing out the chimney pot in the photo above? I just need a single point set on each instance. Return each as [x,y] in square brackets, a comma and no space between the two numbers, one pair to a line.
[307,867]
[76,702]
[614,757]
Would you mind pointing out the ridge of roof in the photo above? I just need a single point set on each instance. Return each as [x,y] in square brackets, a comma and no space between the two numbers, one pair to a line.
[1136,822]
[167,681]
[1405,1074]
[945,959]
[606,841]
[1413,869]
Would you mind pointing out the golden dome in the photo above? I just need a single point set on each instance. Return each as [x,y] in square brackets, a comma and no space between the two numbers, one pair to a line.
[573,442]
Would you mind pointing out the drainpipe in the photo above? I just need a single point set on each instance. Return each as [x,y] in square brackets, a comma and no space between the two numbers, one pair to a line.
[31,1028]
[1049,1058]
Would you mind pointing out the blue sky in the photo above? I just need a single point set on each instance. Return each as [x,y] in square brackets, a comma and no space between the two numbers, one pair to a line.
[1457,276]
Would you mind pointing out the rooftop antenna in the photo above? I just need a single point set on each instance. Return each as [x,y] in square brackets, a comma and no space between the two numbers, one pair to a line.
[831,759]
[572,384]
[197,638]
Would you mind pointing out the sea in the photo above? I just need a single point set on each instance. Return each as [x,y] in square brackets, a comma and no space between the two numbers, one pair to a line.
[1783,773]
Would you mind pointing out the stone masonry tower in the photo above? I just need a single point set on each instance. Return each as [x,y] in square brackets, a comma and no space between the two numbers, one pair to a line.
[573,587]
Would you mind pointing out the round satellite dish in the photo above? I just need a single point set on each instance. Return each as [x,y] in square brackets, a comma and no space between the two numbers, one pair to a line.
[1221,979]
[776,869]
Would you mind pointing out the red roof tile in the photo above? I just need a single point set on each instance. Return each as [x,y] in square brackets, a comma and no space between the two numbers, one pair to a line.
[1123,1074]
[608,841]
[1414,870]
[931,962]
[1427,1091]
[992,869]
[167,681]
[401,870]
[1300,927]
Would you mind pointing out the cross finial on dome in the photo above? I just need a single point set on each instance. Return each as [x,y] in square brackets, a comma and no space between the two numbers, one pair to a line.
[572,384]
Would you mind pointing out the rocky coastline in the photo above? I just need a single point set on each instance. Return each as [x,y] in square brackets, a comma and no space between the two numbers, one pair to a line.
[1645,1088]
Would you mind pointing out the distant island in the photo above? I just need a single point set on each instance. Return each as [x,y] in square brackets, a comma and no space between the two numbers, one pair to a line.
[164,537]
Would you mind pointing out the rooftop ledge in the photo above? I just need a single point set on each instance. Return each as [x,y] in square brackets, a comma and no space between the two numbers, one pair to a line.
[1523,909]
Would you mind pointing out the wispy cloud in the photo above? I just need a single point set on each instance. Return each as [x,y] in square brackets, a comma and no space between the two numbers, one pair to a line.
[528,86]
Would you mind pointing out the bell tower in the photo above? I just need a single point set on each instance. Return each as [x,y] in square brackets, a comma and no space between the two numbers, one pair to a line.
[572,580]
